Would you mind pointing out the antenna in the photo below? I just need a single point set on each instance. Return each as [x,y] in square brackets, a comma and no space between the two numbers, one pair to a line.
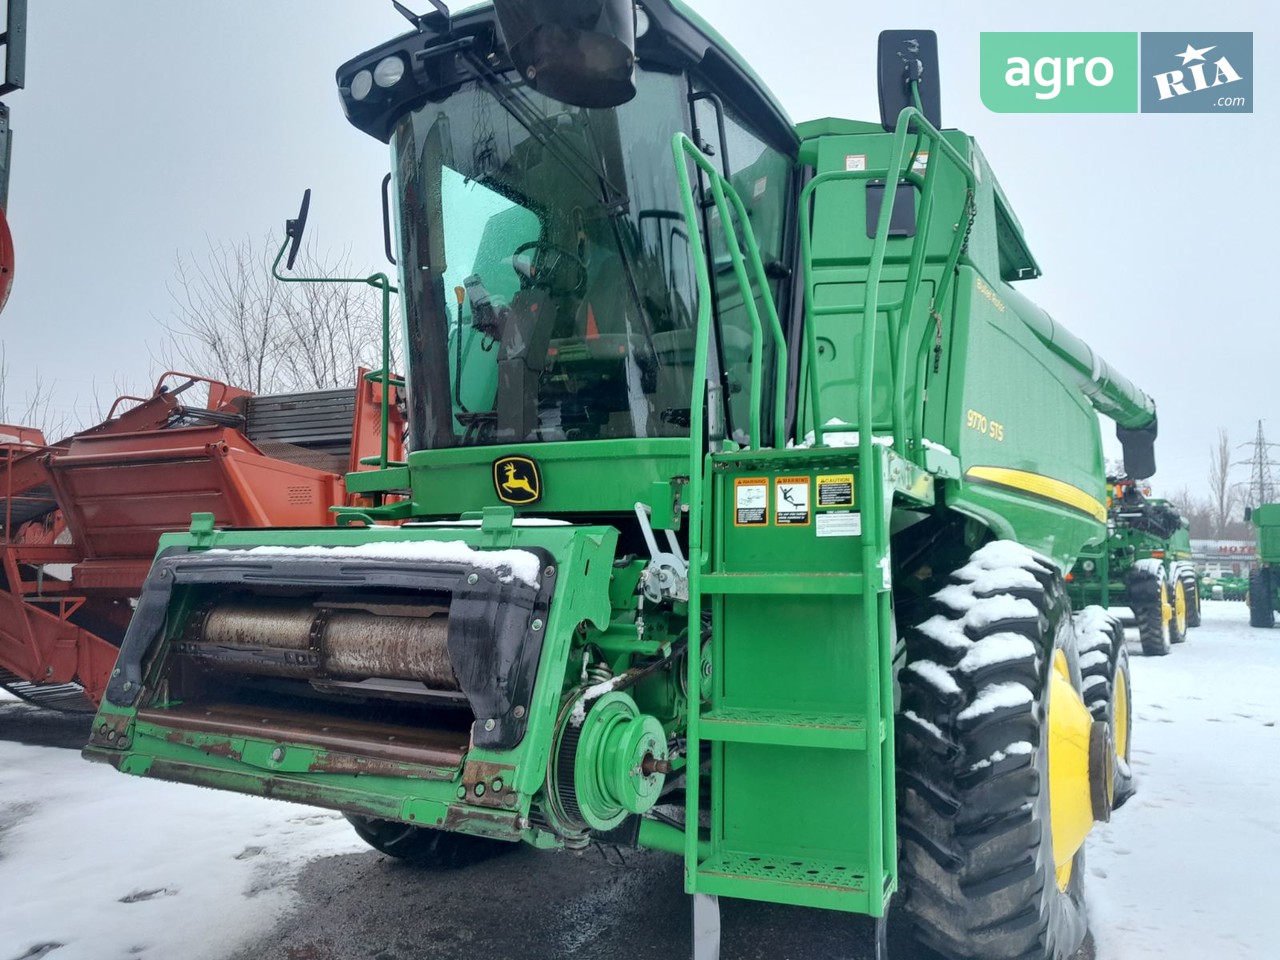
[419,21]
[1262,486]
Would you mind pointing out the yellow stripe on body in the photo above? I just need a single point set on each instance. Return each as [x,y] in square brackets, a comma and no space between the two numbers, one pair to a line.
[1041,486]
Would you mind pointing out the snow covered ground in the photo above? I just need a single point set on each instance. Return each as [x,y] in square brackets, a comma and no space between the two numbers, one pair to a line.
[113,867]
[1190,868]
[99,866]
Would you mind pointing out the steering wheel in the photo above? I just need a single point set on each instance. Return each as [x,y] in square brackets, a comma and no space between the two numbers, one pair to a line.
[549,267]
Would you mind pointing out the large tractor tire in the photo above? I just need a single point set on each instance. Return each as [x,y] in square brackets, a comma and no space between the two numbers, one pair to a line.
[1147,599]
[977,867]
[423,846]
[1104,672]
[1176,591]
[1261,603]
[1191,587]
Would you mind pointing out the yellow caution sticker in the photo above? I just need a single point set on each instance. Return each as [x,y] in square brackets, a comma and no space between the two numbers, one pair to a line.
[750,502]
[791,501]
[835,490]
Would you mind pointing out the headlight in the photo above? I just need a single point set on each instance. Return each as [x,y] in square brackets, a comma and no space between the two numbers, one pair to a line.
[361,84]
[1088,566]
[388,71]
[642,22]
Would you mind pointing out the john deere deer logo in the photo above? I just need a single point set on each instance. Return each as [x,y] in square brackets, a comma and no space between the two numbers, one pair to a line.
[516,480]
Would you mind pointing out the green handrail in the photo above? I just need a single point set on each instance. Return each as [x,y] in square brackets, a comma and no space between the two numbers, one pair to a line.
[383,375]
[730,207]
[909,117]
[727,202]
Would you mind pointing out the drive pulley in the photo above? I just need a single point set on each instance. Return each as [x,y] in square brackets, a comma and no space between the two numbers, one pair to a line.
[610,761]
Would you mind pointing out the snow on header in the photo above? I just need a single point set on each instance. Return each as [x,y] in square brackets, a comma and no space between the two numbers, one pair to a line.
[507,564]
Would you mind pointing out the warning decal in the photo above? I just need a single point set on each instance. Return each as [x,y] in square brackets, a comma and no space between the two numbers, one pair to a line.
[791,501]
[750,502]
[835,490]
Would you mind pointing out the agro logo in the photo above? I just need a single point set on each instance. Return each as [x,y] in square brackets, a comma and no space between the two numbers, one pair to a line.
[517,481]
[1197,73]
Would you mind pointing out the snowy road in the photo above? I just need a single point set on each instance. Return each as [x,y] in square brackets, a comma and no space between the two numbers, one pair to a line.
[1190,868]
[96,866]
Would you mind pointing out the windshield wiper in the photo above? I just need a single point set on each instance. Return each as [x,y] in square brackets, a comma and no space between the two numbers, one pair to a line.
[540,128]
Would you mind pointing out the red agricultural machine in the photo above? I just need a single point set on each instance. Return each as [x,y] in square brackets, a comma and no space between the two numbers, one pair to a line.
[81,517]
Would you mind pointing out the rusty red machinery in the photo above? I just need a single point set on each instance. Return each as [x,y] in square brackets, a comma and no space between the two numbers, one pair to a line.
[81,516]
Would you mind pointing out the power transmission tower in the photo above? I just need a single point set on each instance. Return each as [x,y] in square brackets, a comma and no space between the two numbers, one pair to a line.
[1262,487]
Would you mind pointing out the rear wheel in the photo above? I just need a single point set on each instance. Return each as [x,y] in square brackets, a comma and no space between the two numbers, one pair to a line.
[1191,587]
[1148,602]
[978,870]
[1178,617]
[1104,671]
[1261,607]
[423,845]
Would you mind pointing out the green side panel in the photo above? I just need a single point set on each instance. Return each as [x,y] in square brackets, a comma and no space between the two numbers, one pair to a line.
[602,476]
[1003,389]
[1266,519]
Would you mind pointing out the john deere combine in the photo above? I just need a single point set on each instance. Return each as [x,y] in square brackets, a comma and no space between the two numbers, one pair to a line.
[1144,564]
[741,491]
[1264,579]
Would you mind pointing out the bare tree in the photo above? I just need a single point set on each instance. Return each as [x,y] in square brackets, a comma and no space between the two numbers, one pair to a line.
[35,408]
[233,321]
[1196,510]
[1224,496]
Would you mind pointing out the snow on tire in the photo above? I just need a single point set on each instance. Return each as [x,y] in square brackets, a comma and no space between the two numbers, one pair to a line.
[1146,595]
[977,866]
[1191,587]
[1104,667]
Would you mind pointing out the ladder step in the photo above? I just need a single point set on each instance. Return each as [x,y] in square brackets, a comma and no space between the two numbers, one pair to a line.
[764,583]
[801,880]
[790,728]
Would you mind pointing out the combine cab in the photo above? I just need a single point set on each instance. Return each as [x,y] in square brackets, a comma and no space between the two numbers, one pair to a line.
[726,526]
[82,517]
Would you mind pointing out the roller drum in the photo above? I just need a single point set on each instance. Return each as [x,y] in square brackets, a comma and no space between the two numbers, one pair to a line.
[306,641]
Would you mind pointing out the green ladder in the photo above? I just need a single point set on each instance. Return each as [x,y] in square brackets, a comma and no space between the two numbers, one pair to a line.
[798,728]
[798,723]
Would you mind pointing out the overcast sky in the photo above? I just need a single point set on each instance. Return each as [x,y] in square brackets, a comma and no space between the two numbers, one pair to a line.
[148,126]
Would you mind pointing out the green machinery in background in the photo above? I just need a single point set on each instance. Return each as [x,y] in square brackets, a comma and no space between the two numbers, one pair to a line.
[728,528]
[1264,578]
[1145,564]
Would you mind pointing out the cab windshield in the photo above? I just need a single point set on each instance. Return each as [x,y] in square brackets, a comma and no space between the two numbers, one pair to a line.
[547,282]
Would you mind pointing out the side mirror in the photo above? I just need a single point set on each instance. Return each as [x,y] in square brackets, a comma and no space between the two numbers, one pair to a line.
[582,53]
[1248,514]
[907,58]
[293,229]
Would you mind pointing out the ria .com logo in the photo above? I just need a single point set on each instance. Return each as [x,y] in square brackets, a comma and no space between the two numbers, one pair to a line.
[1117,72]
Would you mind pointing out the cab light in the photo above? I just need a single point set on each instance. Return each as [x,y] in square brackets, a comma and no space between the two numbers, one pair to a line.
[361,85]
[388,71]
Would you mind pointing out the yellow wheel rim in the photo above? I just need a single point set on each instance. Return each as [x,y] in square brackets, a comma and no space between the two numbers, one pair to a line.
[1120,714]
[1070,807]
[1180,606]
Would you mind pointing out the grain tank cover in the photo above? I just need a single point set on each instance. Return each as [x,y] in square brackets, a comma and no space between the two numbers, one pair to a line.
[580,52]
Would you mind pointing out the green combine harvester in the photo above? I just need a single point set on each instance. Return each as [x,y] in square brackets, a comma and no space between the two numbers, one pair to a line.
[741,495]
[1264,579]
[1145,564]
